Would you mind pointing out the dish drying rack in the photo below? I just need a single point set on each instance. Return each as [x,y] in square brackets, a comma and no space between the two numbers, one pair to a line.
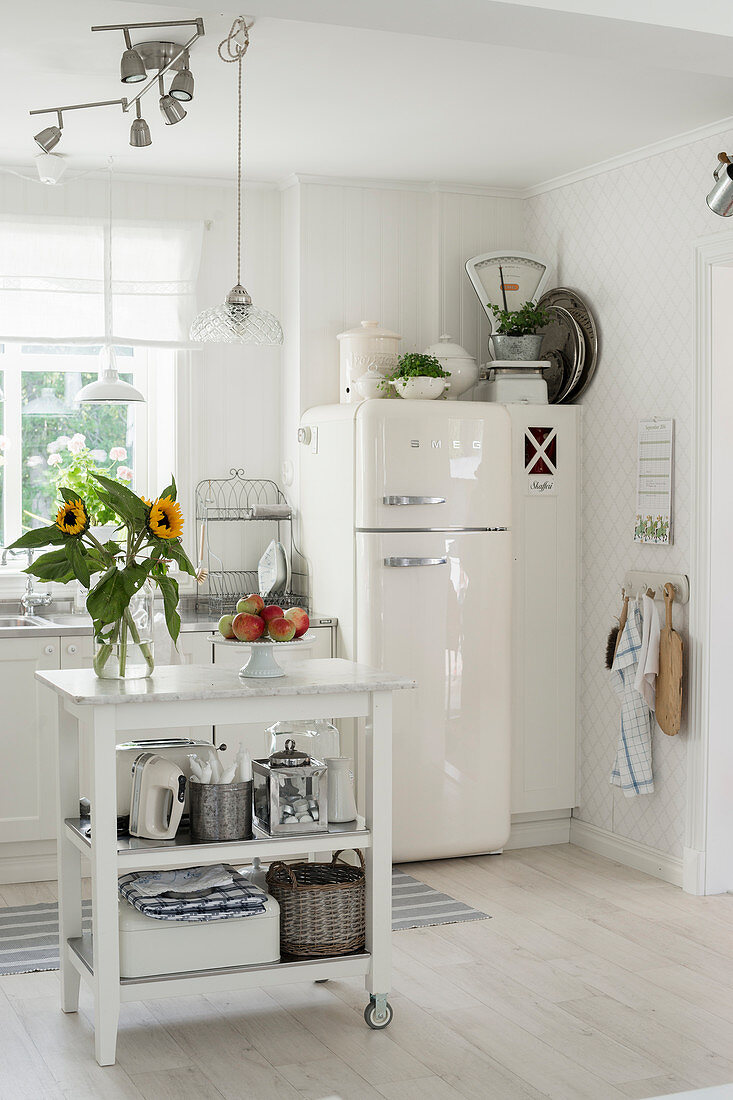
[260,506]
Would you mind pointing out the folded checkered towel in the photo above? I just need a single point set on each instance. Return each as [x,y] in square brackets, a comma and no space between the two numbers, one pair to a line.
[192,893]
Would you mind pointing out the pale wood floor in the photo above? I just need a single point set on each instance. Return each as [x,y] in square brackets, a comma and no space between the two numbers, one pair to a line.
[591,981]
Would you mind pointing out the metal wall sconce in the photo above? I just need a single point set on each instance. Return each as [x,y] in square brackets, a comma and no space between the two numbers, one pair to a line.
[138,62]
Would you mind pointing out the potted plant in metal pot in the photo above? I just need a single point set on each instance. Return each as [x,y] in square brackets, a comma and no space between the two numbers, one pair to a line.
[516,337]
[418,377]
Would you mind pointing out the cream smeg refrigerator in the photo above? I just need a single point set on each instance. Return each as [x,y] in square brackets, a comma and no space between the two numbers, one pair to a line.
[406,523]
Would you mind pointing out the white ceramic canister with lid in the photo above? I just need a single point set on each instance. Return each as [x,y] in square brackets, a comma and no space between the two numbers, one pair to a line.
[364,347]
[462,366]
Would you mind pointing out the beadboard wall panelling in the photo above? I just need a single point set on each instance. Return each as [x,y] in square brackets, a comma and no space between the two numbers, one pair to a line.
[631,255]
[236,392]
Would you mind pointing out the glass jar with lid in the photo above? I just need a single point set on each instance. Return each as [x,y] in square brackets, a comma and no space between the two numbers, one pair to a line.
[316,737]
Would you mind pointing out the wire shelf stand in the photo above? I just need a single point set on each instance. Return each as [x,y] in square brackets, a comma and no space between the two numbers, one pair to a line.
[260,509]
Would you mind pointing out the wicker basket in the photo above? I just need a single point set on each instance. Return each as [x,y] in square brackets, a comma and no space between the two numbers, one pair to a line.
[322,906]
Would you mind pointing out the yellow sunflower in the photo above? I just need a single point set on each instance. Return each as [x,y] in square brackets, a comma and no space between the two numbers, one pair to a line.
[72,518]
[165,520]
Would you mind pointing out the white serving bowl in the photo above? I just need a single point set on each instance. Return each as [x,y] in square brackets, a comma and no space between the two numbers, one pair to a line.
[420,389]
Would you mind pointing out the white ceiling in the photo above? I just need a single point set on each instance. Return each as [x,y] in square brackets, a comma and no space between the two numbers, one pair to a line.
[470,91]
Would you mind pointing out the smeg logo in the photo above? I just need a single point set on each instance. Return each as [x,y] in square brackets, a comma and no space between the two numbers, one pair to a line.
[437,444]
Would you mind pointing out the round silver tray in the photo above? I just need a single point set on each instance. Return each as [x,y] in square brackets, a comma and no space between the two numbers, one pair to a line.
[566,298]
[564,346]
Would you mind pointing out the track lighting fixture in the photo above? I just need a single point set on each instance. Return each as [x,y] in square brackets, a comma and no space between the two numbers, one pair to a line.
[140,60]
[170,108]
[182,86]
[140,131]
[132,66]
[49,138]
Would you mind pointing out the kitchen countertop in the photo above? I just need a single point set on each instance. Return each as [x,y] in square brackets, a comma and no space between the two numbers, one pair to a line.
[175,683]
[55,624]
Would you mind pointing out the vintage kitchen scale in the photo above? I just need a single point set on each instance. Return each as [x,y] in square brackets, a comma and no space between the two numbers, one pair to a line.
[570,346]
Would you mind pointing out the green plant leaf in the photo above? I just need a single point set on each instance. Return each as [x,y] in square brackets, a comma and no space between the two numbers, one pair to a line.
[53,566]
[172,549]
[128,504]
[113,592]
[77,561]
[169,591]
[70,496]
[38,537]
[170,491]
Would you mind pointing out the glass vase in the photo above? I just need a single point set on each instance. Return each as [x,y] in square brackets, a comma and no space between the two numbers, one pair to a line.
[125,649]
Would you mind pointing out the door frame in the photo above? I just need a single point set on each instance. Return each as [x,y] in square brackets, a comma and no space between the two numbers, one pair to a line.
[709,252]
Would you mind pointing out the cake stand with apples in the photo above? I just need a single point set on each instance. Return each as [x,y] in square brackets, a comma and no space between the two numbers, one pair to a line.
[263,627]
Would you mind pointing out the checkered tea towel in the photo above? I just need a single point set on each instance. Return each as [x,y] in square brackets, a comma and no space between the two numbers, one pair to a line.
[177,897]
[632,769]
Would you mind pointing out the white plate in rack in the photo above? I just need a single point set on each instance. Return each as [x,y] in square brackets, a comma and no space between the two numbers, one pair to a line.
[262,661]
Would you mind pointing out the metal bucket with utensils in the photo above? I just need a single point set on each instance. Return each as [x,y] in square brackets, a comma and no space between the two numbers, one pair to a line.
[221,811]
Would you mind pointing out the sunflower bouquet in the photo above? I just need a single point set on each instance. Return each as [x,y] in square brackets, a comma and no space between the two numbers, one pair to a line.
[127,568]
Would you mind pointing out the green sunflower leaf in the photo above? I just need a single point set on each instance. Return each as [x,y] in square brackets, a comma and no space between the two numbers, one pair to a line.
[70,496]
[169,591]
[170,491]
[78,562]
[53,566]
[38,537]
[173,549]
[126,503]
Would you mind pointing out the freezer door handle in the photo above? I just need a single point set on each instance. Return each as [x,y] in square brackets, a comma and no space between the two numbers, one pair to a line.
[406,563]
[413,500]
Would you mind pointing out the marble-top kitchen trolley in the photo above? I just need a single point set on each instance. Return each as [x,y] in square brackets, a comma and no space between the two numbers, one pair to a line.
[95,715]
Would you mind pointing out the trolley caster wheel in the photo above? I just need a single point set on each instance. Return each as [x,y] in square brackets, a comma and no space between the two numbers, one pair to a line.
[378,1016]
[320,981]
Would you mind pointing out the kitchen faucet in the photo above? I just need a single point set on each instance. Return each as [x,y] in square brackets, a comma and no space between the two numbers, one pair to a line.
[31,599]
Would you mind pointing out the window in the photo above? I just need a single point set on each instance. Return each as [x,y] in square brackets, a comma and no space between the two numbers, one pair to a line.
[47,439]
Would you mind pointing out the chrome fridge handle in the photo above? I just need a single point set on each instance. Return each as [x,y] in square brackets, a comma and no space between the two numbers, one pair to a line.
[413,500]
[399,563]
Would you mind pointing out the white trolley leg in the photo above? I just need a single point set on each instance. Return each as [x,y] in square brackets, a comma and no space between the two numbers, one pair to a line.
[105,920]
[378,813]
[68,857]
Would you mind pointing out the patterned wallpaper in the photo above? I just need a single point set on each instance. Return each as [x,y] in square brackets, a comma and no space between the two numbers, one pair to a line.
[624,238]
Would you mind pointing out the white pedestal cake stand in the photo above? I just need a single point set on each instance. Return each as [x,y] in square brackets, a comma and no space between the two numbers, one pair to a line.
[262,663]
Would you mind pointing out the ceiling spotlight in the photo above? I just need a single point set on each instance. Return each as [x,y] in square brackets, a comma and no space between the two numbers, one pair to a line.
[140,131]
[50,167]
[48,139]
[170,108]
[182,86]
[132,67]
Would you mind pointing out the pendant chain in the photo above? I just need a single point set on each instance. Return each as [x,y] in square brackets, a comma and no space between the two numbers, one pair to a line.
[234,49]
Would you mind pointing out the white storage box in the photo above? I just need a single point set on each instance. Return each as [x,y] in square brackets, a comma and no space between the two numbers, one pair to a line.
[149,946]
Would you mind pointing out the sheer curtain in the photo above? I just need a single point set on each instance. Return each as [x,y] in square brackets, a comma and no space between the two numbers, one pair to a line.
[52,280]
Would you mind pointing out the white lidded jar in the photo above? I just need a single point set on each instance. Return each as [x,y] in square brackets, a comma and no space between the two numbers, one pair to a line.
[366,347]
[462,366]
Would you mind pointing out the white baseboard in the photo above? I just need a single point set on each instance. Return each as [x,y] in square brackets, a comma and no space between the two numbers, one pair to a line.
[31,862]
[693,871]
[629,852]
[538,829]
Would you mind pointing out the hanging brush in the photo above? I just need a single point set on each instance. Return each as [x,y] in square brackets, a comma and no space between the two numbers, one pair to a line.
[615,632]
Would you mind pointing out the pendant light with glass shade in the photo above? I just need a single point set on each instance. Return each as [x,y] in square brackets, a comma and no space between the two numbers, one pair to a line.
[109,388]
[237,320]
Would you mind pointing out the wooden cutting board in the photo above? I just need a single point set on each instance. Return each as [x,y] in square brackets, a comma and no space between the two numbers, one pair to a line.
[669,678]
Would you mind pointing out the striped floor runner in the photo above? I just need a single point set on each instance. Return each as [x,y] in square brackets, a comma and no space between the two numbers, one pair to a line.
[29,933]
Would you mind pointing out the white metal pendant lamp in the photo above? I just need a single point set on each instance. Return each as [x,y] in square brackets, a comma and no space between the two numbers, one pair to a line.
[109,388]
[236,320]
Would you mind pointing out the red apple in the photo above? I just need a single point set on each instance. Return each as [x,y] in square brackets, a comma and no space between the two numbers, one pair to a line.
[298,616]
[281,630]
[271,612]
[225,626]
[248,628]
[251,605]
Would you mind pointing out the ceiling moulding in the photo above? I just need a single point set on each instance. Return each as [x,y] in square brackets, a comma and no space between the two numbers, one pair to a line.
[403,185]
[632,157]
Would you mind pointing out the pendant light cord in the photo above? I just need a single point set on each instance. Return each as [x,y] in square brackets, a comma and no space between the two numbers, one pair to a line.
[233,48]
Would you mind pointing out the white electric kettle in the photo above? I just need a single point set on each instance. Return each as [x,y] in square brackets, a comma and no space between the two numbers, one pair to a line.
[158,794]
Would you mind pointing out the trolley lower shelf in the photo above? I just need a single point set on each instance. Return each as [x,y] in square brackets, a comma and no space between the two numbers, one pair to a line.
[258,975]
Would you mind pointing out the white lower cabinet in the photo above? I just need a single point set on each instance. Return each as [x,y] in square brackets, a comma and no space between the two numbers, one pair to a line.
[27,740]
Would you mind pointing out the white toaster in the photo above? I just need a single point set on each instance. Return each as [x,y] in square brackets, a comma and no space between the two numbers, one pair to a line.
[175,749]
